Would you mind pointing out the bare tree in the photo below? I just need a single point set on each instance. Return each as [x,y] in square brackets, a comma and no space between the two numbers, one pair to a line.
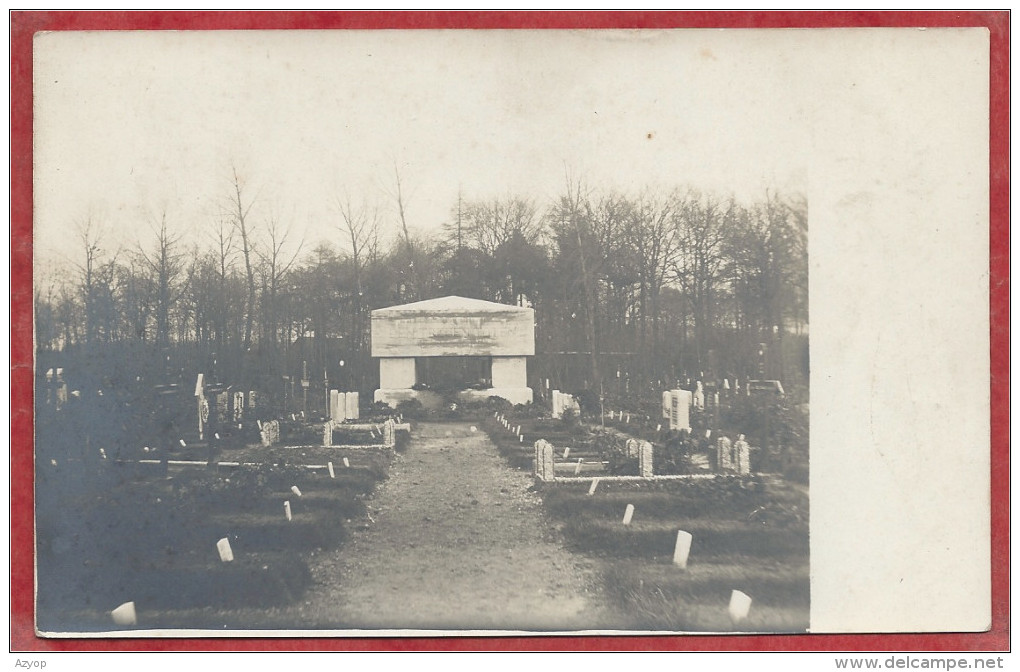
[488,225]
[91,238]
[165,262]
[654,239]
[223,236]
[276,263]
[240,207]
[572,220]
[698,268]
[360,226]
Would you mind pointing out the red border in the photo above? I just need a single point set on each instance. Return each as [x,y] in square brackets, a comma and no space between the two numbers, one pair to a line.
[25,23]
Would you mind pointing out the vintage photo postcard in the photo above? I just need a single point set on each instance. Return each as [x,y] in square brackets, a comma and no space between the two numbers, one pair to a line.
[359,333]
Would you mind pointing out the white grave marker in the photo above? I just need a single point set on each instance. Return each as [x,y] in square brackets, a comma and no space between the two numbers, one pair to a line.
[347,463]
[223,546]
[296,490]
[332,474]
[521,436]
[125,614]
[682,549]
[334,410]
[740,606]
[566,453]
[577,469]
[680,412]
[594,484]
[628,514]
[286,510]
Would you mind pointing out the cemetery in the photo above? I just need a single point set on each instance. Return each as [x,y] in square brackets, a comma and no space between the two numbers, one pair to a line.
[223,514]
[187,501]
[688,503]
[678,513]
[603,378]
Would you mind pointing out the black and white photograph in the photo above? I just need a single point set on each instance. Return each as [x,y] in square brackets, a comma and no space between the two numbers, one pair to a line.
[507,331]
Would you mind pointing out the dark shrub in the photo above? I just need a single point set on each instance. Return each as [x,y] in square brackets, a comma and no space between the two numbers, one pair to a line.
[413,409]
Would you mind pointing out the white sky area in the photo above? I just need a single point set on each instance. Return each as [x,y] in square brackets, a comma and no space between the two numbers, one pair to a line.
[129,124]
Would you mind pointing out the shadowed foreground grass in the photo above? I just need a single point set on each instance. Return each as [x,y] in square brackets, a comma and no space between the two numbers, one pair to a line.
[748,535]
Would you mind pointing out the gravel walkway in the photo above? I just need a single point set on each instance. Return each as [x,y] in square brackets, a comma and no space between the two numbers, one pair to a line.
[457,540]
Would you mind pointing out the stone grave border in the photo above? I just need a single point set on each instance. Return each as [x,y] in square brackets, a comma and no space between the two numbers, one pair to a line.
[387,429]
[544,467]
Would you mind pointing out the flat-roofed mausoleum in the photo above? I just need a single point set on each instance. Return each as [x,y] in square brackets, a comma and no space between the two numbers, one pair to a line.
[477,347]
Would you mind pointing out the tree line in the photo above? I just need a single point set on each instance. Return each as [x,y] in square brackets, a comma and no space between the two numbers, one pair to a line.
[650,286]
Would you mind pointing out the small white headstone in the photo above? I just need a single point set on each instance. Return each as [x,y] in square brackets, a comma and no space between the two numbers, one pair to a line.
[286,510]
[658,427]
[259,424]
[332,474]
[646,459]
[296,490]
[223,546]
[577,469]
[347,463]
[102,453]
[473,429]
[334,410]
[125,614]
[566,453]
[53,462]
[628,514]
[183,445]
[594,484]
[740,606]
[682,549]
[521,436]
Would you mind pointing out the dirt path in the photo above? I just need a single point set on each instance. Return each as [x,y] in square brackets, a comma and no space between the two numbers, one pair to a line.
[458,541]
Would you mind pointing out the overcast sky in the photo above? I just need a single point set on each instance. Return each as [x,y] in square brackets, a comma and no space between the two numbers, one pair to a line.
[131,124]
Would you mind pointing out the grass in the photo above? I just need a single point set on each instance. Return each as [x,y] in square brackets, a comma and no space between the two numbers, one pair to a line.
[731,550]
[110,533]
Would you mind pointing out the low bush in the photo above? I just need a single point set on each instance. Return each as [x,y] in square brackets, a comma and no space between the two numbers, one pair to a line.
[412,409]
